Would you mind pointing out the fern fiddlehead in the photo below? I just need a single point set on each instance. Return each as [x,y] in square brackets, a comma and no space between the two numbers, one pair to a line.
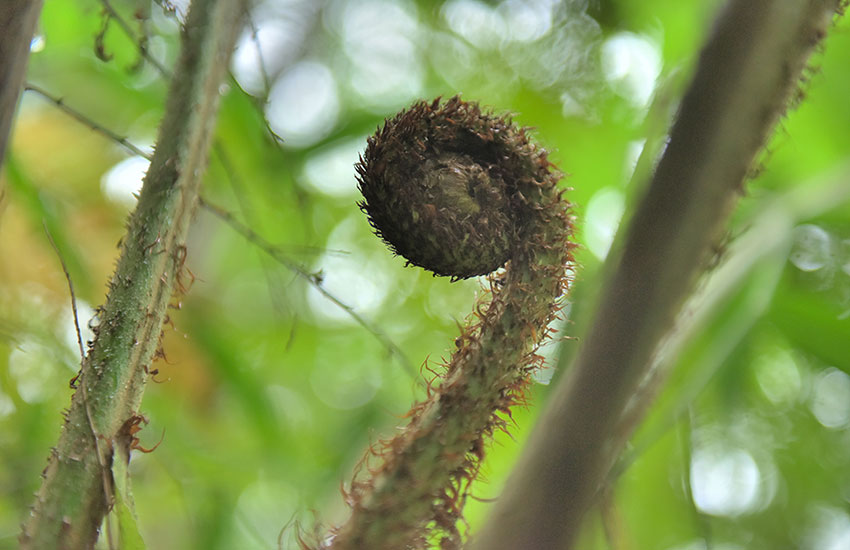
[461,192]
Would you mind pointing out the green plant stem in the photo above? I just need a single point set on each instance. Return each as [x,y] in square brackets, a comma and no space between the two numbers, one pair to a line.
[746,74]
[76,491]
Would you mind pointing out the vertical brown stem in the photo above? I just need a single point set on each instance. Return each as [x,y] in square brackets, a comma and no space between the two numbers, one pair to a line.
[17,25]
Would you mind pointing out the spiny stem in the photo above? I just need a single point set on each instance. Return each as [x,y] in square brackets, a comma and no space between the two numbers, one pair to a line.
[107,479]
[77,490]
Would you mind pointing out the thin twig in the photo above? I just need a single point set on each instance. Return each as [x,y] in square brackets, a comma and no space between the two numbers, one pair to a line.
[258,103]
[686,440]
[264,72]
[140,46]
[238,185]
[70,289]
[60,103]
[242,198]
[276,253]
[314,279]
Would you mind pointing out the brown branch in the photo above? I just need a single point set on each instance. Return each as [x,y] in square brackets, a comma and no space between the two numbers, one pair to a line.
[17,24]
[745,77]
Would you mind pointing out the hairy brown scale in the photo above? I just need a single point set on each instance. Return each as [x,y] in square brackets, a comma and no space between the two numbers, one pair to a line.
[442,186]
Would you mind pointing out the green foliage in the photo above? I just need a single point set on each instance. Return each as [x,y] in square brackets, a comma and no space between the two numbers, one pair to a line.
[129,537]
[271,393]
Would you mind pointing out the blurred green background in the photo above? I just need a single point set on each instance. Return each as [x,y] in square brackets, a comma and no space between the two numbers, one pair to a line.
[270,392]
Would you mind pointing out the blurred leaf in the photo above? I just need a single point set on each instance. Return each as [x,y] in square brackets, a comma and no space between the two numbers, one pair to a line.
[129,537]
[43,210]
[814,323]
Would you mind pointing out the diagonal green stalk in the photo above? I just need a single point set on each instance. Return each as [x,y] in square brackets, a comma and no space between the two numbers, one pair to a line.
[77,489]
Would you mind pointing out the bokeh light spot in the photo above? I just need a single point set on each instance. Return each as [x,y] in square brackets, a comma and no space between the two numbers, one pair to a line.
[779,377]
[811,248]
[725,481]
[528,21]
[29,366]
[37,43]
[831,398]
[604,211]
[303,104]
[124,180]
[330,170]
[475,21]
[385,68]
[632,64]
[845,256]
[831,529]
[69,330]
[363,285]
[7,406]
[272,41]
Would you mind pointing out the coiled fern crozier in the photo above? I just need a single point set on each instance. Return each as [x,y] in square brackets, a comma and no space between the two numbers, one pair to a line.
[460,192]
